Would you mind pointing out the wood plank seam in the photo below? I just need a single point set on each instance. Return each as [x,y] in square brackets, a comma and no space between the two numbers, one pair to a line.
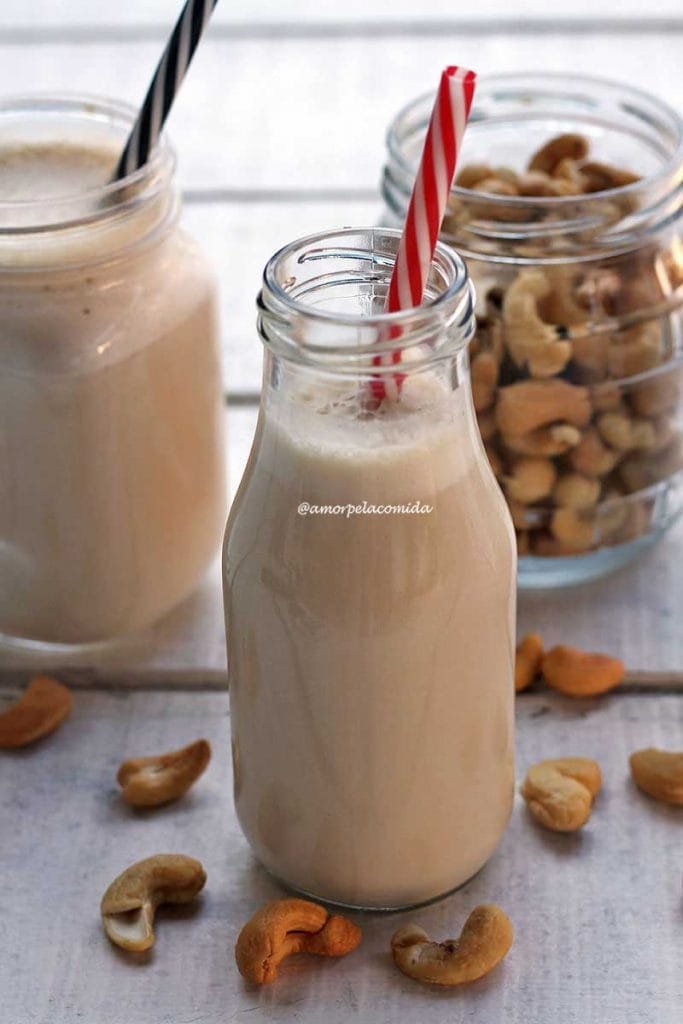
[207,196]
[12,682]
[427,29]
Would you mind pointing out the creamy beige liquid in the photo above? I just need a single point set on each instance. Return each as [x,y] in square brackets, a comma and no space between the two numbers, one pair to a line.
[371,657]
[111,459]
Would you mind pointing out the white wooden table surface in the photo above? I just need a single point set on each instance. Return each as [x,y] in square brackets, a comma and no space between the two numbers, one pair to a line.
[280,130]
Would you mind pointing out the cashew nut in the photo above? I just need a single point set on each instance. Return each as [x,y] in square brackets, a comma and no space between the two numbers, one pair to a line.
[613,515]
[484,379]
[570,145]
[496,186]
[600,177]
[560,793]
[523,544]
[554,440]
[530,479]
[544,544]
[538,183]
[561,305]
[592,457]
[659,773]
[598,289]
[283,927]
[528,658]
[529,404]
[483,942]
[581,673]
[519,514]
[635,351]
[574,529]
[607,397]
[662,394]
[472,174]
[488,428]
[626,433]
[639,471]
[151,781]
[530,339]
[567,173]
[573,490]
[43,706]
[129,904]
[500,184]
[495,461]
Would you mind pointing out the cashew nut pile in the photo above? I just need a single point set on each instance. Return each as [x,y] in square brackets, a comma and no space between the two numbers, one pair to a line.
[151,781]
[43,706]
[129,904]
[283,927]
[559,793]
[484,941]
[562,436]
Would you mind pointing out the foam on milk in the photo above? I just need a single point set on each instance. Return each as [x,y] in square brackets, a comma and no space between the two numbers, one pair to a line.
[47,171]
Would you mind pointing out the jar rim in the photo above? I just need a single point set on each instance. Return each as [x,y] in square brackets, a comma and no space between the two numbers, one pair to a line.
[551,77]
[114,197]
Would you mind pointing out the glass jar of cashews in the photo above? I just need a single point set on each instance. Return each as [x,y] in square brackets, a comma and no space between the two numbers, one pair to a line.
[567,210]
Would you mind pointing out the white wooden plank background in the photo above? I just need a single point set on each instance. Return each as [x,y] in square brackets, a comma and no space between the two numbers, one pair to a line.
[250,115]
[74,13]
[280,130]
[597,915]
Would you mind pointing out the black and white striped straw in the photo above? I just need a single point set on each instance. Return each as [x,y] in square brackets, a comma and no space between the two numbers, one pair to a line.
[168,76]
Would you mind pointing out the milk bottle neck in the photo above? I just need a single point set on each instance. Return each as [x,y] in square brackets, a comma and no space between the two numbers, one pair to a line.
[322,320]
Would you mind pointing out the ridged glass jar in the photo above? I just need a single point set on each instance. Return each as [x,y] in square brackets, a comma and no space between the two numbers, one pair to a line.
[577,362]
[112,493]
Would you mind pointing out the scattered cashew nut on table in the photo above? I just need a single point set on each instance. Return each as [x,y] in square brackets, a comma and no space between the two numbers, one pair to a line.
[151,781]
[581,673]
[528,658]
[560,793]
[129,904]
[483,942]
[43,706]
[659,773]
[283,927]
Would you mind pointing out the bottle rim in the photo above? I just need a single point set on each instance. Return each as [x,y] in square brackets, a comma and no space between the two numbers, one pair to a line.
[283,309]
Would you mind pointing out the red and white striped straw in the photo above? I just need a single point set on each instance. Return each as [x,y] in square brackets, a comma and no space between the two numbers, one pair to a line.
[428,202]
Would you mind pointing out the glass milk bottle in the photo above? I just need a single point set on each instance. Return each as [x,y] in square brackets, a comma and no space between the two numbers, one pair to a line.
[369,580]
[112,492]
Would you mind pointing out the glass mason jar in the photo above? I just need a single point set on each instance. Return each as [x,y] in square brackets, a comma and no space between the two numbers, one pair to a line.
[112,500]
[577,361]
[369,571]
